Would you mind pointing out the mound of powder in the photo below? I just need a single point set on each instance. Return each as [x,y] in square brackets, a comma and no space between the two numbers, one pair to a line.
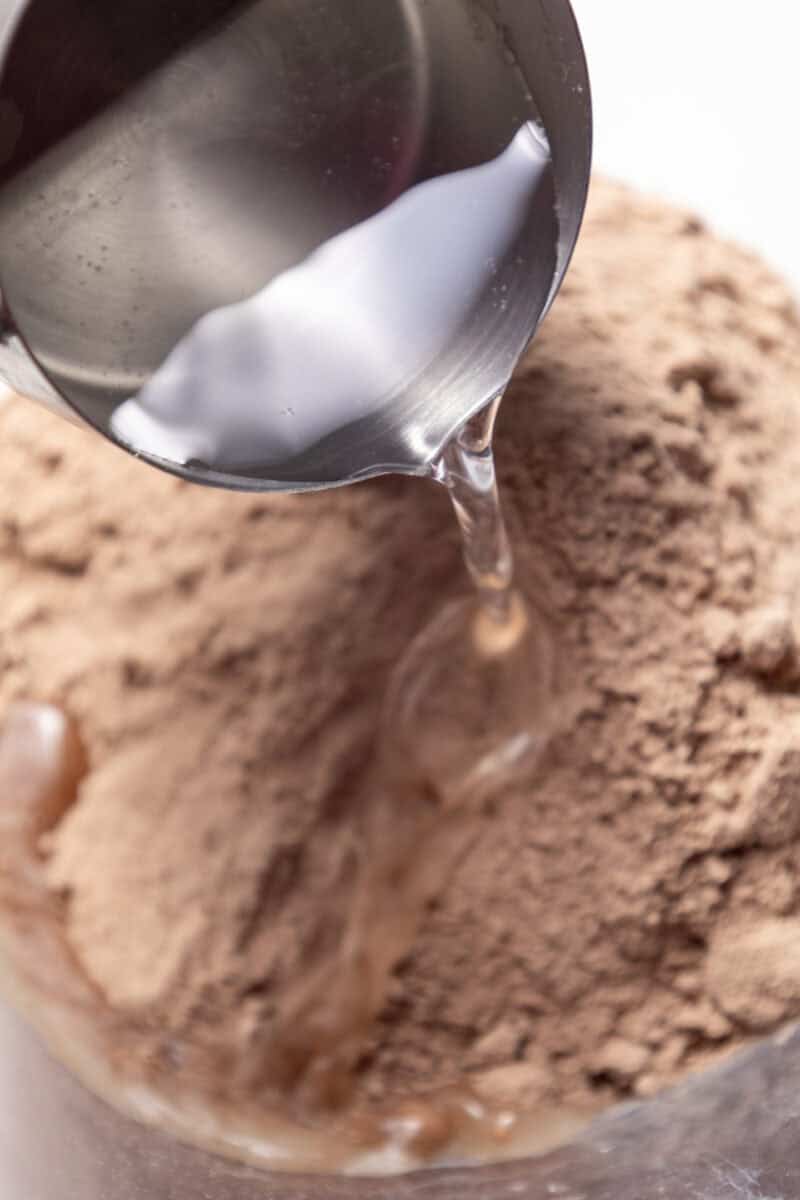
[624,916]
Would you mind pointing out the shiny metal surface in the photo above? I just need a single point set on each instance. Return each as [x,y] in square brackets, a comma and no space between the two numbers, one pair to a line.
[180,157]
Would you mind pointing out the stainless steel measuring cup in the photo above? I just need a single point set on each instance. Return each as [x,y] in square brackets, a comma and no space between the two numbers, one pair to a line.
[163,165]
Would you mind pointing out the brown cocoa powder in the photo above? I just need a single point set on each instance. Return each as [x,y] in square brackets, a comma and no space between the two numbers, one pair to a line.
[626,915]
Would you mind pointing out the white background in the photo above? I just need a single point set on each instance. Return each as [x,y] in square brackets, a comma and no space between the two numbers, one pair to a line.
[699,101]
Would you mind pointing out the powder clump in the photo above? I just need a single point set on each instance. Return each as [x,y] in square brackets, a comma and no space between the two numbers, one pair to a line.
[596,931]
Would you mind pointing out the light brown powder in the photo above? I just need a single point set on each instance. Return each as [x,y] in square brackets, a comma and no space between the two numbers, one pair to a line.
[590,933]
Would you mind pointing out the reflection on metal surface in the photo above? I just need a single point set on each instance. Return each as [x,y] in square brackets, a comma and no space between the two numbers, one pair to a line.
[359,336]
[183,157]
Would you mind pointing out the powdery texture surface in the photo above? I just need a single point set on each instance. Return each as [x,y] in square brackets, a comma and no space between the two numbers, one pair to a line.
[628,914]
